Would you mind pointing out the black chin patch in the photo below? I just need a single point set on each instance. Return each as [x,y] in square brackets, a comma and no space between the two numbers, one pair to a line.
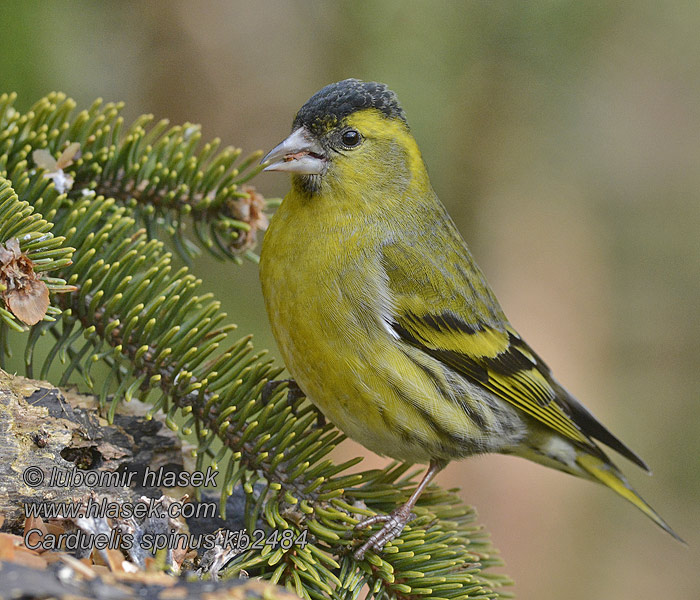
[330,105]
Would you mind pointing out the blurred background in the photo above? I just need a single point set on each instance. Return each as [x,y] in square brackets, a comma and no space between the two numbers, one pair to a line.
[564,138]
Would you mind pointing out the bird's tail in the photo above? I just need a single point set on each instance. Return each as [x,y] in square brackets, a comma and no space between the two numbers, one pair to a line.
[608,474]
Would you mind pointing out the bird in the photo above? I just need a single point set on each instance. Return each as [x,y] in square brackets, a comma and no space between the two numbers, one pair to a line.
[387,324]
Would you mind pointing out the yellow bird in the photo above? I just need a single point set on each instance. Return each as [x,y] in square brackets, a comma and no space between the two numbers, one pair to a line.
[387,324]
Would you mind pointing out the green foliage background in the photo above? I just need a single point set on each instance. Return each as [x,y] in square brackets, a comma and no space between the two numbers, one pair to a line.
[562,136]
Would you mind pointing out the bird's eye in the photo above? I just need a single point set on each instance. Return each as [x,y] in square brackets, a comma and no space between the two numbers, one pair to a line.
[351,138]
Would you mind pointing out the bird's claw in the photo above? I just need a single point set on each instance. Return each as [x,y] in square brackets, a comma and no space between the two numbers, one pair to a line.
[293,390]
[393,526]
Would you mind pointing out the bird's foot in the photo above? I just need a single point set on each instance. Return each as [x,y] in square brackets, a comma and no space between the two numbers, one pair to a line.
[393,526]
[294,392]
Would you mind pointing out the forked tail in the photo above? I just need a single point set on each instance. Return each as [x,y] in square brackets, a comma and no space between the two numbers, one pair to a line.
[610,476]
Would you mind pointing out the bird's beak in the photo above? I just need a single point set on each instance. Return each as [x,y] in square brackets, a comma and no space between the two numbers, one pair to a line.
[299,153]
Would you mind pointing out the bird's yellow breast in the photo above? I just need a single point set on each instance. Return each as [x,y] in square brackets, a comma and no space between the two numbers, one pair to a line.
[323,292]
[313,292]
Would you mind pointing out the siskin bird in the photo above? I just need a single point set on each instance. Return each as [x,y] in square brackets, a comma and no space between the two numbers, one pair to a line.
[387,324]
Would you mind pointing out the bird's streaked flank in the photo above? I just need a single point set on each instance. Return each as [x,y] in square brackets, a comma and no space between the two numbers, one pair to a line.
[387,324]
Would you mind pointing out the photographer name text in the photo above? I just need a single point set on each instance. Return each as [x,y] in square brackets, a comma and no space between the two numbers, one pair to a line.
[74,477]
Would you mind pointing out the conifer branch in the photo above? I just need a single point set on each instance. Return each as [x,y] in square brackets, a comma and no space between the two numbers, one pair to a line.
[159,171]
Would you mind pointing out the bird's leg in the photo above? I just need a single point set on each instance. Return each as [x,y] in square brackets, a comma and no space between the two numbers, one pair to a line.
[396,521]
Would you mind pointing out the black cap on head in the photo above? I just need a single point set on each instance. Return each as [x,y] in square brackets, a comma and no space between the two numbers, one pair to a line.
[336,101]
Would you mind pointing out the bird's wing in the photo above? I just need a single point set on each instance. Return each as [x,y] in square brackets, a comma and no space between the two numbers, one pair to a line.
[446,309]
[441,304]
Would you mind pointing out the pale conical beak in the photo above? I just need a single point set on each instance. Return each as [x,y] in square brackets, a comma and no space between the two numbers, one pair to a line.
[299,153]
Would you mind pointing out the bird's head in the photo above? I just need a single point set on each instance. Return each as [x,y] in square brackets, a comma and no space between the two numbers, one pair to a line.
[349,135]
